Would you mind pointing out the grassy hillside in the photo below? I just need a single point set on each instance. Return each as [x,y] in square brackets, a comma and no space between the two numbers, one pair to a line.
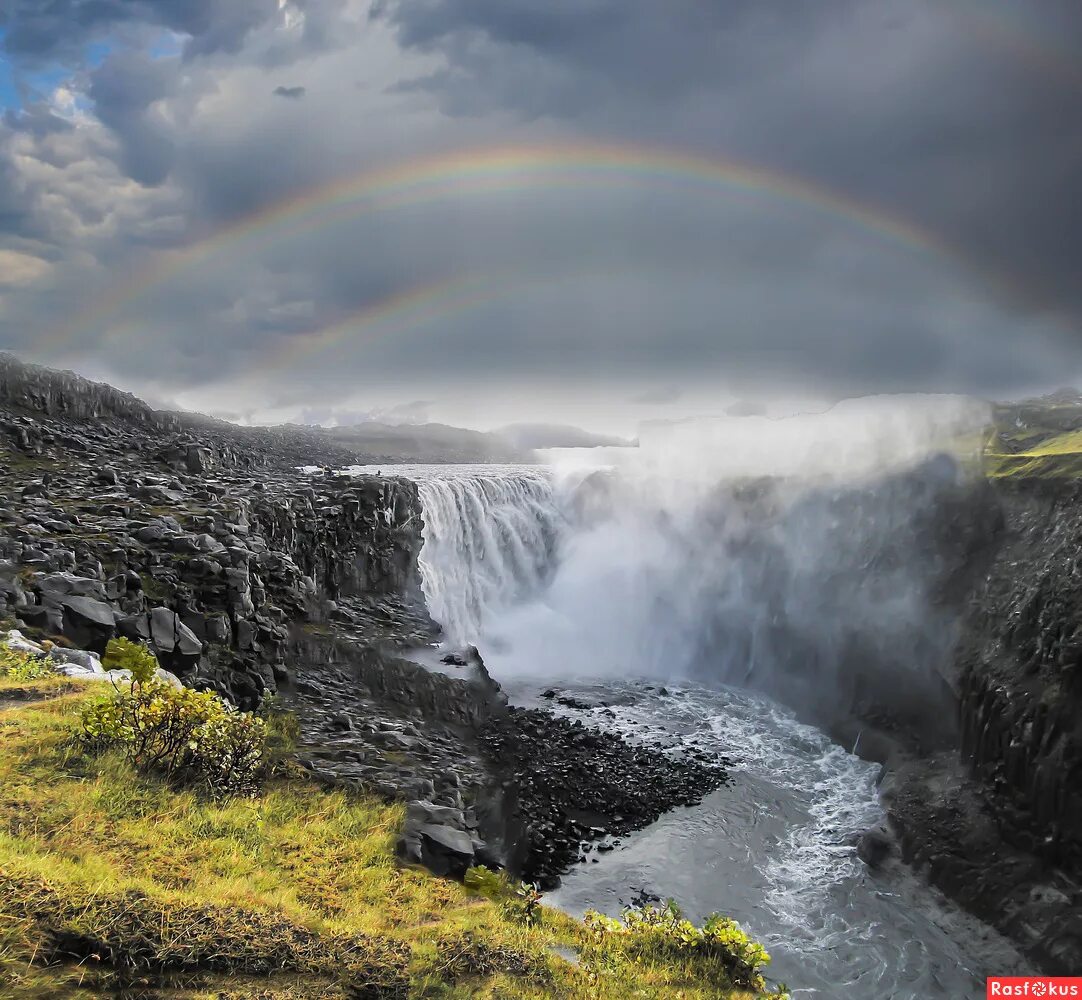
[1037,438]
[112,882]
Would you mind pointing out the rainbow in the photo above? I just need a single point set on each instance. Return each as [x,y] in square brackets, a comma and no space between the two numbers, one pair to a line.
[488,171]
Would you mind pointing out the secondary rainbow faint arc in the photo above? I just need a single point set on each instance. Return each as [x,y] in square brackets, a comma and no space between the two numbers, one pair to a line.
[388,315]
[488,170]
[408,309]
[1004,31]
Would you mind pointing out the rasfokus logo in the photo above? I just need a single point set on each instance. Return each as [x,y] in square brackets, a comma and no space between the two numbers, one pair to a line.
[1034,986]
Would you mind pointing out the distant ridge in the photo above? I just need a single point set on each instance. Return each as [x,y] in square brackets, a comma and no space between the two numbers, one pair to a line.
[533,436]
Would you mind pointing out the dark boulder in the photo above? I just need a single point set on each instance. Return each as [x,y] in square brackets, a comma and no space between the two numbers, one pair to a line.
[88,623]
[875,847]
[445,850]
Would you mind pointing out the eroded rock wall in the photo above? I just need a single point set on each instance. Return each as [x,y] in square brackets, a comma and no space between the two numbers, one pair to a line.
[1020,671]
[997,821]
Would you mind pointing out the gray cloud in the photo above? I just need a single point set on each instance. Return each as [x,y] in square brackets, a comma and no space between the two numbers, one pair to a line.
[951,115]
[59,28]
[892,104]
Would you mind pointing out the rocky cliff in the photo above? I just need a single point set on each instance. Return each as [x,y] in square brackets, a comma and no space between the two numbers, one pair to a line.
[248,577]
[998,821]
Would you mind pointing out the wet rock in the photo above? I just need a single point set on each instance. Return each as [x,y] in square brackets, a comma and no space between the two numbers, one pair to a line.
[875,847]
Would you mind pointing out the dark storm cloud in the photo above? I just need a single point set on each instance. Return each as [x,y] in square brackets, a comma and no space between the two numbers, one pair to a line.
[153,144]
[59,28]
[965,117]
[124,90]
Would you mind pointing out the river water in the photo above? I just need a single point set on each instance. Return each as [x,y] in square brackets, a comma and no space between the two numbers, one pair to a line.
[562,582]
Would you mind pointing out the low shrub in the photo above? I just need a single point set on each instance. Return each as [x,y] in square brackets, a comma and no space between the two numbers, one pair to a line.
[520,901]
[123,654]
[665,932]
[191,737]
[22,667]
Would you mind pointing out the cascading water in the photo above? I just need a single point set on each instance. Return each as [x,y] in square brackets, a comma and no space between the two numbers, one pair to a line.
[489,542]
[804,560]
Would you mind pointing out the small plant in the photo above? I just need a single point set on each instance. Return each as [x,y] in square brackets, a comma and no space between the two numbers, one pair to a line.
[123,654]
[485,882]
[22,667]
[652,930]
[191,737]
[524,905]
[521,901]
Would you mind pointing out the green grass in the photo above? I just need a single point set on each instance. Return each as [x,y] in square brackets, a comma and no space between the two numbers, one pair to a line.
[1058,456]
[110,881]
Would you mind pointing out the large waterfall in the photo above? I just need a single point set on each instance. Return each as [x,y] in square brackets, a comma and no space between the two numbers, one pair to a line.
[489,542]
[736,565]
[805,558]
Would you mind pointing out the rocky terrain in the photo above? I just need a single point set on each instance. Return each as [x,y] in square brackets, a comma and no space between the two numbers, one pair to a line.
[249,577]
[997,819]
[576,788]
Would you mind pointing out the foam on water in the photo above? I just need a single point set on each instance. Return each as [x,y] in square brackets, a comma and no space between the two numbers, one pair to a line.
[776,851]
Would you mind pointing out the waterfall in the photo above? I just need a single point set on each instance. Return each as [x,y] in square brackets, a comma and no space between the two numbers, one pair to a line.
[807,558]
[489,542]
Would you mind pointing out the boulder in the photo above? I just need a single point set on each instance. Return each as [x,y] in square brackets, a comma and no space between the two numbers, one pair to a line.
[55,587]
[177,647]
[39,616]
[81,658]
[134,627]
[197,460]
[11,589]
[152,534]
[16,641]
[875,846]
[88,623]
[445,850]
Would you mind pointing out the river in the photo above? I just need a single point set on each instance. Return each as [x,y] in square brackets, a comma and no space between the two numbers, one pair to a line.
[612,597]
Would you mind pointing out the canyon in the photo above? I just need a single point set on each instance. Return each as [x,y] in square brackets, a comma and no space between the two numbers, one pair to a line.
[926,616]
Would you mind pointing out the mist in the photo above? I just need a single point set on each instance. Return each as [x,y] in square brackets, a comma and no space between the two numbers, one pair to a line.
[814,558]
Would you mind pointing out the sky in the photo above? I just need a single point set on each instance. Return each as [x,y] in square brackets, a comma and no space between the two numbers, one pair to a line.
[585,211]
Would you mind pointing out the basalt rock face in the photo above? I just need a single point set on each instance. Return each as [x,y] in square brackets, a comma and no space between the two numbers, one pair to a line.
[1021,673]
[65,395]
[249,577]
[114,520]
[998,822]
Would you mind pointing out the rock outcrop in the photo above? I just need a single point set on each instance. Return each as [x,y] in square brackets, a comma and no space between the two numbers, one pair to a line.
[998,821]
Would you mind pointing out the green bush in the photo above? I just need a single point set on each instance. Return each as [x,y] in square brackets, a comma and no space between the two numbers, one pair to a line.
[520,901]
[663,931]
[191,737]
[21,667]
[122,654]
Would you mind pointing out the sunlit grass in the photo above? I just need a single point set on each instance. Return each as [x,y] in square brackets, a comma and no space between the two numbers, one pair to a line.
[90,849]
[1058,456]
